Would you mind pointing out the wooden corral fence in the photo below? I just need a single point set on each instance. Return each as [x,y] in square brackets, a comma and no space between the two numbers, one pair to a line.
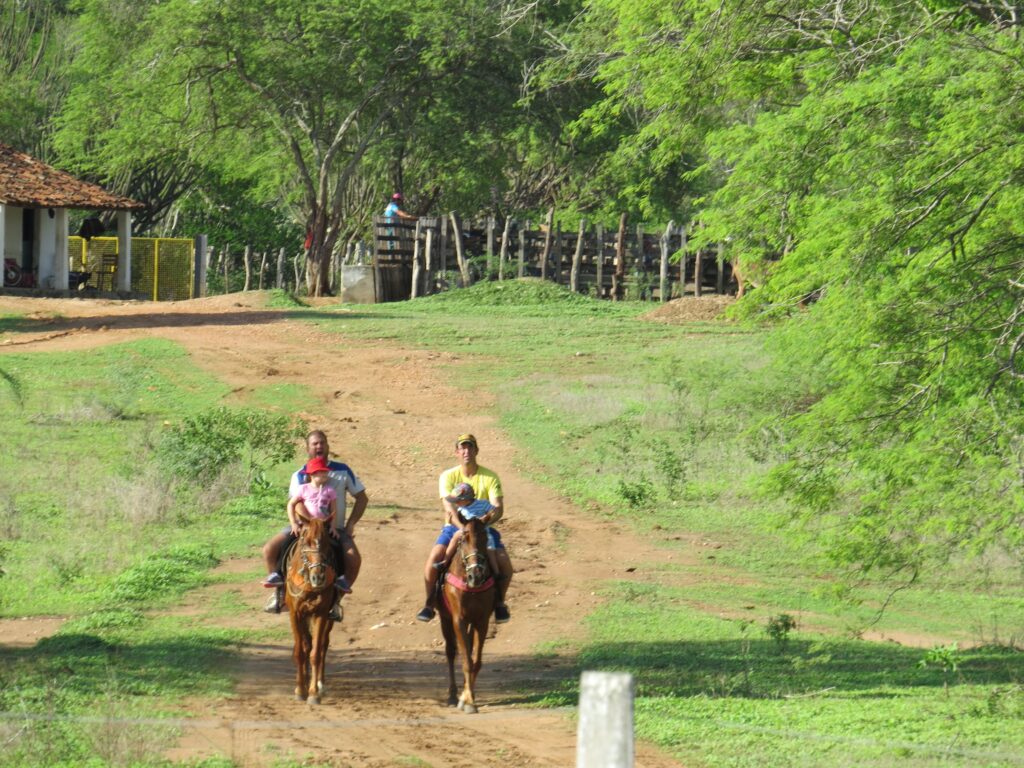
[418,257]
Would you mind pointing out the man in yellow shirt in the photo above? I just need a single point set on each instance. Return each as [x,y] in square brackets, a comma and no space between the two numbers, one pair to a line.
[487,486]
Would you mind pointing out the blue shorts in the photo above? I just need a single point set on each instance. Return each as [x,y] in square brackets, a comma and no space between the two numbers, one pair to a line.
[449,531]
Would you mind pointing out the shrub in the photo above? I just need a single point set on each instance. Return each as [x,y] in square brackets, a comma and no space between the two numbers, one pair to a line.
[199,448]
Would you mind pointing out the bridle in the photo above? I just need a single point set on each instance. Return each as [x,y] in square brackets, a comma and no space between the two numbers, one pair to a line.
[314,574]
[474,563]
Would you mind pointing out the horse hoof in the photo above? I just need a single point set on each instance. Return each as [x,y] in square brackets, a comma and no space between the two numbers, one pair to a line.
[314,701]
[454,702]
[469,709]
[299,697]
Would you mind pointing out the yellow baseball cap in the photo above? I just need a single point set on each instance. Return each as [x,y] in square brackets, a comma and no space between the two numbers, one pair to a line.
[466,438]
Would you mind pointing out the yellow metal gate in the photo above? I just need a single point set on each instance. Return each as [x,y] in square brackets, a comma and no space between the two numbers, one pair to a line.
[161,266]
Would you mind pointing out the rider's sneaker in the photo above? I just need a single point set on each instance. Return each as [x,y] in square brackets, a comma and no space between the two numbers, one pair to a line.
[274,603]
[273,580]
[426,614]
[342,584]
[501,614]
[336,614]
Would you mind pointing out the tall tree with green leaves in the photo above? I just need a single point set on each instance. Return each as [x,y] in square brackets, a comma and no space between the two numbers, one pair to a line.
[34,55]
[295,96]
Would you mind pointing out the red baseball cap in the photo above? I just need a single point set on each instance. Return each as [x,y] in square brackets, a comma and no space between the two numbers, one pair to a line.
[316,464]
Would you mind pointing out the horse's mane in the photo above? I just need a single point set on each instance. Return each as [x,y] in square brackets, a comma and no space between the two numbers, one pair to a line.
[313,532]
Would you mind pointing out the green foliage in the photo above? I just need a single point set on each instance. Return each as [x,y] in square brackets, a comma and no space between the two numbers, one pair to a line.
[778,628]
[948,658]
[163,574]
[202,446]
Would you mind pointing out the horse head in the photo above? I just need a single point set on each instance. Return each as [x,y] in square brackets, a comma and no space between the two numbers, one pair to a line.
[315,552]
[473,551]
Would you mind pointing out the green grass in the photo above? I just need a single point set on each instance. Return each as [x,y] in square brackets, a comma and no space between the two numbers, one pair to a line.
[92,530]
[671,429]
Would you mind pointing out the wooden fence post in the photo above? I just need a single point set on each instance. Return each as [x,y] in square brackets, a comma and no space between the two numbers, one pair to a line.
[599,234]
[247,263]
[443,246]
[698,266]
[720,283]
[640,265]
[428,260]
[619,275]
[227,260]
[577,258]
[548,232]
[460,257]
[558,253]
[416,276]
[522,248]
[503,254]
[490,245]
[663,283]
[604,738]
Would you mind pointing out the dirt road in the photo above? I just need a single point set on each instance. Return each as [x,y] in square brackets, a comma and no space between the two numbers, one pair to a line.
[390,413]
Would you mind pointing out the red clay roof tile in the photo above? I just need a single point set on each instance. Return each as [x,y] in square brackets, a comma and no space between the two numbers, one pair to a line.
[30,183]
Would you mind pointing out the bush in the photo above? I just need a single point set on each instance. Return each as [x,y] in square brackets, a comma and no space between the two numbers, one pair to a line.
[200,447]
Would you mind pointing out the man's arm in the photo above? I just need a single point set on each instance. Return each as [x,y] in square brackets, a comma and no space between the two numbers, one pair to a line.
[495,514]
[360,500]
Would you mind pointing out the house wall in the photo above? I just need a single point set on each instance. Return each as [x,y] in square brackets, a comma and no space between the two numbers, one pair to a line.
[12,233]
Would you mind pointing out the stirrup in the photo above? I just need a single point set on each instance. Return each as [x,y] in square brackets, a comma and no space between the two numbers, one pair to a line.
[426,614]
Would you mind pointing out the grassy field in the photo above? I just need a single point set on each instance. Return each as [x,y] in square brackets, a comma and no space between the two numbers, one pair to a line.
[131,539]
[748,649]
[745,646]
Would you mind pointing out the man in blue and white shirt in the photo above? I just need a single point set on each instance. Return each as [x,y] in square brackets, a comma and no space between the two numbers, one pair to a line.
[344,481]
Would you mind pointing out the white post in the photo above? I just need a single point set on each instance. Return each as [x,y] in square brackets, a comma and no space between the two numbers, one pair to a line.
[3,237]
[124,251]
[61,263]
[605,735]
[44,247]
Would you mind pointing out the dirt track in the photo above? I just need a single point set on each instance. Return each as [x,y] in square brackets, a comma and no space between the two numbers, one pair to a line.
[390,414]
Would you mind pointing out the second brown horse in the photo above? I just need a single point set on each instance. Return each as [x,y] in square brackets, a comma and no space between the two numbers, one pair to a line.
[465,611]
[310,595]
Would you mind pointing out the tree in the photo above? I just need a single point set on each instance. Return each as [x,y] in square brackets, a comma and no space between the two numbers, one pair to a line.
[295,94]
[34,54]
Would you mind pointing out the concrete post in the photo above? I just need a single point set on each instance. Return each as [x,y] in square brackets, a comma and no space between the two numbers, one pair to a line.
[124,251]
[44,246]
[61,262]
[605,735]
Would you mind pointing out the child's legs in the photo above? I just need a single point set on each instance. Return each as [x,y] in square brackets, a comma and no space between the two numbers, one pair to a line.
[454,545]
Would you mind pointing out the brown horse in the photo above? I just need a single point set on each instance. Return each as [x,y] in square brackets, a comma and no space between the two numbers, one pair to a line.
[465,610]
[310,595]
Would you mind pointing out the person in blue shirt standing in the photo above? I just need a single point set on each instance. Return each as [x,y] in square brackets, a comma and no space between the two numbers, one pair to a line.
[394,209]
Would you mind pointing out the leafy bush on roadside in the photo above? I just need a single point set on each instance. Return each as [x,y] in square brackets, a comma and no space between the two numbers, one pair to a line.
[165,573]
[199,448]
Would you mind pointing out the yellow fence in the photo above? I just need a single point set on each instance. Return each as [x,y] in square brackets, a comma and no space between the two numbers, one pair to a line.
[161,266]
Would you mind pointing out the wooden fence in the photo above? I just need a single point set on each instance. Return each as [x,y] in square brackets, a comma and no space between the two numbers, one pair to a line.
[418,257]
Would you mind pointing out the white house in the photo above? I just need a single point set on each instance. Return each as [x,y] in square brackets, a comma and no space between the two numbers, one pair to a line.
[34,201]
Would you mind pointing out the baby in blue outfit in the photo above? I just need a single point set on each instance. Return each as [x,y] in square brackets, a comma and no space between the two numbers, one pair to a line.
[469,506]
